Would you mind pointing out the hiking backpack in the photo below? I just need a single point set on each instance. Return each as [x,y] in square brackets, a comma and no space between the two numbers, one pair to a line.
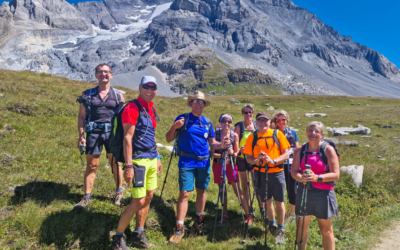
[116,138]
[242,128]
[87,103]
[178,150]
[321,153]
[218,134]
[274,136]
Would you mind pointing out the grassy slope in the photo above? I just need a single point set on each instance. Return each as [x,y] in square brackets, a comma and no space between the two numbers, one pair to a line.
[46,171]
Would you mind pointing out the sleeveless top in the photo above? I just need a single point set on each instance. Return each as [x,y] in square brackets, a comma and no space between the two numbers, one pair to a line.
[318,167]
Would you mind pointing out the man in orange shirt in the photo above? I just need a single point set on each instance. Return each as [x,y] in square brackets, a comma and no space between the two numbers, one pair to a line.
[270,150]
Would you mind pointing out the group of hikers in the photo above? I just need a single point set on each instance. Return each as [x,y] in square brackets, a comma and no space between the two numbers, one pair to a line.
[264,152]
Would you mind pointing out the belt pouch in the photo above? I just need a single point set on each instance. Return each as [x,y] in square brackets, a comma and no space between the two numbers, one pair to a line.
[139,172]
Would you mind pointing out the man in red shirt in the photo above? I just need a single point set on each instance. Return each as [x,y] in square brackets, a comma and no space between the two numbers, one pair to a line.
[142,163]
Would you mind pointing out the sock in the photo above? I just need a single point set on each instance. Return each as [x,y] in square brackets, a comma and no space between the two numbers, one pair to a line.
[280,226]
[199,214]
[179,222]
[119,190]
[272,222]
[119,234]
[139,229]
[88,195]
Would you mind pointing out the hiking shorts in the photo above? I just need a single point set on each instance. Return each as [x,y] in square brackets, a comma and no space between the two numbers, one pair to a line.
[242,164]
[187,177]
[217,168]
[320,202]
[276,186]
[150,177]
[95,142]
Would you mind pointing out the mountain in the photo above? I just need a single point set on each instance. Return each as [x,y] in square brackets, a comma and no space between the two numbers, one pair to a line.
[189,39]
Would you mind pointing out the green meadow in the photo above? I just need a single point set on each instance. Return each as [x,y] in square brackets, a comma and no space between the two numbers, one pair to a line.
[42,173]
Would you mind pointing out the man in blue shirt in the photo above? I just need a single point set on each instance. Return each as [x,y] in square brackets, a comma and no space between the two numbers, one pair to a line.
[197,134]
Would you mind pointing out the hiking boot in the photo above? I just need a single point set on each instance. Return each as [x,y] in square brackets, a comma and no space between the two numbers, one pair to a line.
[273,229]
[118,199]
[249,220]
[83,203]
[198,225]
[178,235]
[118,243]
[139,240]
[280,236]
[225,218]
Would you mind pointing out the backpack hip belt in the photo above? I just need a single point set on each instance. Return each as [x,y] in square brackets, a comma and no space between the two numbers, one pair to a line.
[138,152]
[199,158]
[90,126]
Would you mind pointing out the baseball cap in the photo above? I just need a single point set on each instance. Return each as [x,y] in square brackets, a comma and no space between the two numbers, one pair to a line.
[147,79]
[262,115]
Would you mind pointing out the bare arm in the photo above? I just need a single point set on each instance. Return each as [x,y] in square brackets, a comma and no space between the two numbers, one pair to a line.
[122,97]
[129,131]
[171,134]
[296,170]
[81,125]
[218,145]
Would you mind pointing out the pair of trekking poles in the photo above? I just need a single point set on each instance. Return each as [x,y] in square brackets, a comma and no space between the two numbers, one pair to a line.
[222,190]
[256,183]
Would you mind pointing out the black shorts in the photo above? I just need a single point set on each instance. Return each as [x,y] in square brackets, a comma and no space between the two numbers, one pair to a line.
[242,164]
[319,202]
[276,186]
[95,142]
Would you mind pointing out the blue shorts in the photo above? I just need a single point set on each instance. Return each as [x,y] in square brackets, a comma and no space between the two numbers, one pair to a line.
[187,177]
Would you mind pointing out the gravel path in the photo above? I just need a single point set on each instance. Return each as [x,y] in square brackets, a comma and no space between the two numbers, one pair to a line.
[390,239]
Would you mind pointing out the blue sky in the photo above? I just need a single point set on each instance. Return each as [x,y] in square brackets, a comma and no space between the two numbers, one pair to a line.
[369,22]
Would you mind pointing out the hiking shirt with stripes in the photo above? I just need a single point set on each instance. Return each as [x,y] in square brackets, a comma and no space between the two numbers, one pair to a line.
[271,148]
[130,115]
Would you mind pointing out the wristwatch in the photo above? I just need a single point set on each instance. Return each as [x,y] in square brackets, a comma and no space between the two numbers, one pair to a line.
[275,161]
[319,179]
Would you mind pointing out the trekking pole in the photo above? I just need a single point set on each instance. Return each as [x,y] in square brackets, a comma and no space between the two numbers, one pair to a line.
[219,194]
[223,190]
[166,175]
[251,210]
[237,188]
[82,151]
[266,200]
[303,206]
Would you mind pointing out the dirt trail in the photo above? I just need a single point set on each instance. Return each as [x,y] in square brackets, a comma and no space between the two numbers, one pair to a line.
[390,239]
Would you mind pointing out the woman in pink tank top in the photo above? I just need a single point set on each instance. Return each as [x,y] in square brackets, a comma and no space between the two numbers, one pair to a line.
[315,181]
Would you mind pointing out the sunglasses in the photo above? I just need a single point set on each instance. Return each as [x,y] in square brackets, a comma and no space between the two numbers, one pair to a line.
[225,121]
[153,88]
[283,120]
[198,101]
[310,131]
[247,112]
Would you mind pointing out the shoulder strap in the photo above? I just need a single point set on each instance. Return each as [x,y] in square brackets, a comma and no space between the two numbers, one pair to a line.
[208,121]
[255,139]
[157,117]
[255,125]
[218,133]
[322,153]
[117,95]
[303,151]
[276,140]
[186,117]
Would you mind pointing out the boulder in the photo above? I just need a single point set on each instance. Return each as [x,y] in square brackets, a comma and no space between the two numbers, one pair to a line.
[387,126]
[360,129]
[234,100]
[356,173]
[169,148]
[344,142]
[315,115]
[270,108]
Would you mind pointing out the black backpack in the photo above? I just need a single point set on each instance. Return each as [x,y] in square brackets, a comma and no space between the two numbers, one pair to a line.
[218,134]
[321,152]
[241,126]
[178,150]
[274,136]
[116,138]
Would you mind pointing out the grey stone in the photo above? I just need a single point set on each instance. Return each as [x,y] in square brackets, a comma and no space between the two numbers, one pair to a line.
[366,136]
[387,126]
[169,148]
[349,130]
[355,172]
[344,141]
[234,100]
[271,108]
[267,104]
[315,115]
[336,123]
[328,106]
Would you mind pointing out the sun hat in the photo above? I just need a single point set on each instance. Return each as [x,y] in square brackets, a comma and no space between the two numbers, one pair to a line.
[199,96]
[263,115]
[147,79]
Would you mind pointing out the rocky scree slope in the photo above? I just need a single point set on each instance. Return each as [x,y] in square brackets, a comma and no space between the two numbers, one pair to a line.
[275,37]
